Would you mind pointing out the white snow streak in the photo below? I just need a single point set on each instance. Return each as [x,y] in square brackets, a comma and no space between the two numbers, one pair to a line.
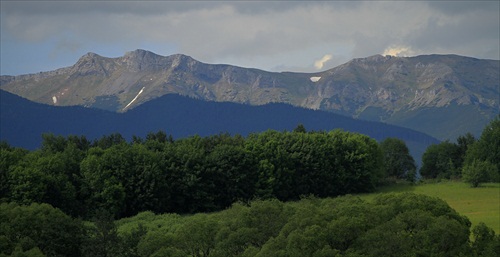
[315,79]
[140,92]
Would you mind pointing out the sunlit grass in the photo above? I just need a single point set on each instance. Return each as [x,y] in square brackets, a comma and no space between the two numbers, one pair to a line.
[480,204]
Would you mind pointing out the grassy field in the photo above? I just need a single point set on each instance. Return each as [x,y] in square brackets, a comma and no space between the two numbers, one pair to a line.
[480,204]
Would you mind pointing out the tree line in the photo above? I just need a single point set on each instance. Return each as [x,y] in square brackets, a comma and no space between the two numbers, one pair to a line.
[45,194]
[473,160]
[202,174]
[195,174]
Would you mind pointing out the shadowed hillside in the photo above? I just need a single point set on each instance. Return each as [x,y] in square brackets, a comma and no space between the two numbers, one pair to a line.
[23,121]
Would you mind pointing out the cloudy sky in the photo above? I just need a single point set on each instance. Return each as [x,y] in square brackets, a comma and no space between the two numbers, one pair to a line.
[271,35]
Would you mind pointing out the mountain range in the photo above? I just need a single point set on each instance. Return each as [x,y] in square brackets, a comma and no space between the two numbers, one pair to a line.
[442,95]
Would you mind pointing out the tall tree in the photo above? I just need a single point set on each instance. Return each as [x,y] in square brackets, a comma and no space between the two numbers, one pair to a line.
[441,161]
[397,159]
[465,142]
[487,148]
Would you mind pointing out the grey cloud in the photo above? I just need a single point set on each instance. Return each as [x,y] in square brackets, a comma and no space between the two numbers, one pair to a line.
[476,32]
[151,7]
[461,7]
[266,33]
[43,7]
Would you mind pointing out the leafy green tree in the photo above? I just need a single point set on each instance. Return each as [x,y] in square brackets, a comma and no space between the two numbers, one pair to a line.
[397,159]
[487,148]
[9,158]
[393,225]
[415,225]
[125,179]
[80,142]
[184,163]
[322,164]
[109,140]
[196,237]
[465,142]
[50,175]
[42,178]
[159,136]
[234,241]
[53,143]
[160,239]
[139,171]
[229,175]
[100,185]
[156,141]
[101,237]
[478,172]
[18,252]
[130,241]
[361,160]
[300,129]
[441,161]
[485,242]
[415,232]
[38,226]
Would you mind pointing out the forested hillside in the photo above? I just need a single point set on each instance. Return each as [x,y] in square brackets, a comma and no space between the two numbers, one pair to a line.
[24,121]
[267,194]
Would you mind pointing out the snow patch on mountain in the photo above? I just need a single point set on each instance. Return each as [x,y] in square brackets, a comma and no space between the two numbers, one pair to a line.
[135,98]
[315,79]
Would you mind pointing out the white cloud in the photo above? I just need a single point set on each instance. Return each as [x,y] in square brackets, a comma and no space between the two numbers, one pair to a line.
[401,51]
[321,62]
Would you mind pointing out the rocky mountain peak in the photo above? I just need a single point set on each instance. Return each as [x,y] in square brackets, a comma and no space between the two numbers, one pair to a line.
[88,59]
[89,64]
[183,62]
[373,60]
[141,60]
[89,55]
[140,56]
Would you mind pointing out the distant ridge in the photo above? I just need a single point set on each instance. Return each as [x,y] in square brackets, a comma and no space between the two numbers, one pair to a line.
[442,95]
[24,121]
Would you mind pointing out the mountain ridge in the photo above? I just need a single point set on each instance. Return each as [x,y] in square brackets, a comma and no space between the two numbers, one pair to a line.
[381,88]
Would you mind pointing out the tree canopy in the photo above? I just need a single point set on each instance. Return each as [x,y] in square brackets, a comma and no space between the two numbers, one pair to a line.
[397,159]
[482,159]
[265,195]
[189,175]
[475,161]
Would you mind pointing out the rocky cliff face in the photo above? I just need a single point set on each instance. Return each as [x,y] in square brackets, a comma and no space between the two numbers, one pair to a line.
[394,83]
[378,87]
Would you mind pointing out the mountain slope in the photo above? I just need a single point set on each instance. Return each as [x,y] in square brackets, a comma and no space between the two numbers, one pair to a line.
[24,121]
[443,95]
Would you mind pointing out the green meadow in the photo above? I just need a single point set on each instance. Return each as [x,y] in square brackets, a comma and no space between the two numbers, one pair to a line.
[481,204]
